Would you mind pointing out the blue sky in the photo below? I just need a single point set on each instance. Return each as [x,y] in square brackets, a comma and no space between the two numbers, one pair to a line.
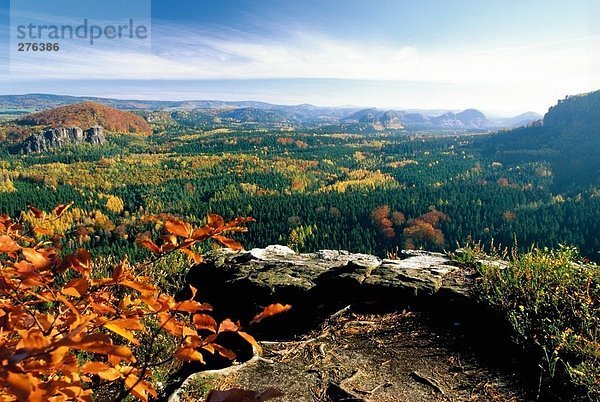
[504,57]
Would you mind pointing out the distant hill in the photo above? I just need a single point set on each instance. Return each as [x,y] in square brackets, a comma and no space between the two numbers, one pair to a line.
[47,101]
[568,138]
[468,119]
[86,115]
[522,119]
[377,119]
[254,115]
[473,118]
[262,114]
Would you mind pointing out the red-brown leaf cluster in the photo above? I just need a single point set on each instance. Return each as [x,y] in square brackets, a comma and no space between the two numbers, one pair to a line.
[181,236]
[424,230]
[418,232]
[386,221]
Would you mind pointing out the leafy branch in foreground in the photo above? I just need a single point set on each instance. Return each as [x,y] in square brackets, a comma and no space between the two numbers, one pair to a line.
[215,228]
[65,332]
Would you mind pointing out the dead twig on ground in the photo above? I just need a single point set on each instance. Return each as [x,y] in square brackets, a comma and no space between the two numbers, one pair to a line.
[432,382]
[356,373]
[340,313]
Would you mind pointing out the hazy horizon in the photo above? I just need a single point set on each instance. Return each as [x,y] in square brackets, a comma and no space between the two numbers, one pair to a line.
[441,110]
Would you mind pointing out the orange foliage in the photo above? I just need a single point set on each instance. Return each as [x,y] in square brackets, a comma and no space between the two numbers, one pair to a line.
[52,308]
[386,220]
[421,231]
[398,218]
[380,217]
[88,114]
[285,140]
[271,310]
[425,230]
[433,217]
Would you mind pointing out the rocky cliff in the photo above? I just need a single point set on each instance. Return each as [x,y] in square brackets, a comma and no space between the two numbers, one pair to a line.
[62,136]
[325,279]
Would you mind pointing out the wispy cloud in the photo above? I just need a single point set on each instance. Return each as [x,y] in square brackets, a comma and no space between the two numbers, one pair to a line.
[179,54]
[536,71]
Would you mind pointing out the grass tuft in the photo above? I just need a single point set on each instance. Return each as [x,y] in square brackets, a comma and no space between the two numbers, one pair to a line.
[551,298]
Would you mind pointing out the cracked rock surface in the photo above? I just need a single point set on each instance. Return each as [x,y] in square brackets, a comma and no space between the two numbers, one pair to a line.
[277,273]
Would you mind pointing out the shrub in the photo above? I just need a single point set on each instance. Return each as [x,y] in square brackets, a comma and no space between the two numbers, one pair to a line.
[552,300]
[68,330]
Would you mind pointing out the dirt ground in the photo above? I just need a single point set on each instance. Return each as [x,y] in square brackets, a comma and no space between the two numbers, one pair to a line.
[363,357]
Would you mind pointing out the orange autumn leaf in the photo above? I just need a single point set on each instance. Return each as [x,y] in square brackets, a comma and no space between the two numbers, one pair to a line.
[94,367]
[42,231]
[139,388]
[75,287]
[150,246]
[191,306]
[202,233]
[171,324]
[189,354]
[80,262]
[250,339]
[121,327]
[35,340]
[214,221]
[236,225]
[228,326]
[197,258]
[204,321]
[229,243]
[38,259]
[20,385]
[178,228]
[60,209]
[226,353]
[102,370]
[8,245]
[100,344]
[270,311]
[142,287]
[36,212]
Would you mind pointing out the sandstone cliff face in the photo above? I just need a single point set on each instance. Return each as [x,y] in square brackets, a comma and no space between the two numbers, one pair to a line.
[62,136]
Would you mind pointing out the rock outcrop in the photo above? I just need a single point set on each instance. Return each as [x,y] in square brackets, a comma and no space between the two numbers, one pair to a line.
[380,346]
[391,119]
[325,278]
[467,119]
[62,136]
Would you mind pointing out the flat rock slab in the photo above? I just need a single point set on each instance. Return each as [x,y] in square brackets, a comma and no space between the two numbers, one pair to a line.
[278,274]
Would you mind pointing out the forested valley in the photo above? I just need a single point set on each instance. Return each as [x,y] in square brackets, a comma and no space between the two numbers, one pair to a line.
[359,189]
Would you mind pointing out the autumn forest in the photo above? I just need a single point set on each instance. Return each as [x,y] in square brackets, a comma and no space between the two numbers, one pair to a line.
[313,187]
